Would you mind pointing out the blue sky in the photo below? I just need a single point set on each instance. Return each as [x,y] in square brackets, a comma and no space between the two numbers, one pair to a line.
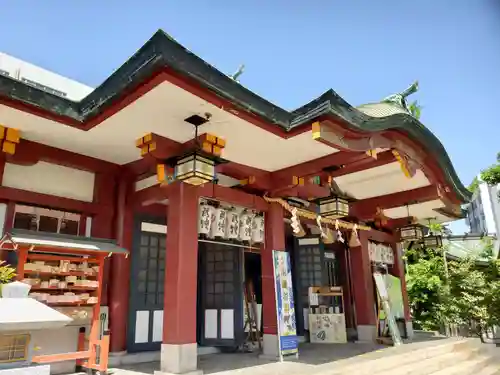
[295,50]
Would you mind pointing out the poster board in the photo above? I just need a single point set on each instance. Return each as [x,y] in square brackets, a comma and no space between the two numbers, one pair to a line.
[288,343]
[395,292]
[383,294]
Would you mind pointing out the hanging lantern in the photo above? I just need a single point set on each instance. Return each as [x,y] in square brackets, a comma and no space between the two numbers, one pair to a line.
[258,229]
[245,227]
[333,207]
[372,251]
[411,232]
[195,168]
[218,227]
[389,255]
[433,241]
[233,225]
[205,219]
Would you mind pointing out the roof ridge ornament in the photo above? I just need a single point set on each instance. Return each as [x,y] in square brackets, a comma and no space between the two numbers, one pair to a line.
[400,100]
[238,73]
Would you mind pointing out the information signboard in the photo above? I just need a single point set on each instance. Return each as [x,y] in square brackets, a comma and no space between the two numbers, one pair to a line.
[285,309]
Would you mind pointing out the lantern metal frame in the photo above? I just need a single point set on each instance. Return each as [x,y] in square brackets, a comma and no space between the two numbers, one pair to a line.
[411,231]
[432,240]
[196,167]
[336,205]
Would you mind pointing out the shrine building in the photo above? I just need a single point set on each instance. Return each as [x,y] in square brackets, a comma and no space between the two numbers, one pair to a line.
[200,180]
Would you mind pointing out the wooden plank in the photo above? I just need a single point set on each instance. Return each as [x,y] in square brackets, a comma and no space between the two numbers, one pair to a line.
[61,357]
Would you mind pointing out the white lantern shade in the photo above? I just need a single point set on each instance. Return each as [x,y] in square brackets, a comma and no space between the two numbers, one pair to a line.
[218,228]
[389,255]
[258,229]
[333,207]
[411,232]
[233,225]
[195,169]
[245,227]
[205,219]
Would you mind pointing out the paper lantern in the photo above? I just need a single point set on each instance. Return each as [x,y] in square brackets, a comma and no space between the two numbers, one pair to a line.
[258,229]
[389,255]
[245,227]
[233,225]
[205,219]
[218,228]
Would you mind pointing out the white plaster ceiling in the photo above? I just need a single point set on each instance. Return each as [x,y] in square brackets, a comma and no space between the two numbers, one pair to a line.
[422,211]
[162,111]
[383,180]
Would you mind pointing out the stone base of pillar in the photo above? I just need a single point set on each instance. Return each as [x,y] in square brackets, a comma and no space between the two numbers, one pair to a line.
[367,333]
[270,347]
[409,329]
[179,359]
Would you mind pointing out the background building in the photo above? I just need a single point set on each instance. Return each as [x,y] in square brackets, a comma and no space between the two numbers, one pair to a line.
[42,79]
[483,212]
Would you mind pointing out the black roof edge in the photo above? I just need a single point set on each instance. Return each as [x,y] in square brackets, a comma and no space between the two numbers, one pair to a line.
[163,51]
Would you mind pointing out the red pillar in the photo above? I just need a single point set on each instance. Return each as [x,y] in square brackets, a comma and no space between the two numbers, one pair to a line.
[274,240]
[179,350]
[363,290]
[119,270]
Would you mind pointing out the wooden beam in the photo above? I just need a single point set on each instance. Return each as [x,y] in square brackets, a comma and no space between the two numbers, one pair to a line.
[52,201]
[316,166]
[367,208]
[30,153]
[156,193]
[368,162]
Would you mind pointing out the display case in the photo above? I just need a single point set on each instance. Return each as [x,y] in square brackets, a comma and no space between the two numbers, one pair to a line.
[326,315]
[66,273]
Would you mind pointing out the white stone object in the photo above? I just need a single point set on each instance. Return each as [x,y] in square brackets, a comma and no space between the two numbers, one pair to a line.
[29,370]
[15,289]
[27,314]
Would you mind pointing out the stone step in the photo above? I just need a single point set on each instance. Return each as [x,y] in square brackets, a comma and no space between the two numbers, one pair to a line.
[491,369]
[433,364]
[471,366]
[394,358]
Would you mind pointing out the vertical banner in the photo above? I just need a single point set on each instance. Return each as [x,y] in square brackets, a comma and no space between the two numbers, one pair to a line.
[285,309]
[386,305]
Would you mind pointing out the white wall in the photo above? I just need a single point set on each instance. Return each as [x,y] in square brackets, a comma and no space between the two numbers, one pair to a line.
[52,179]
[21,69]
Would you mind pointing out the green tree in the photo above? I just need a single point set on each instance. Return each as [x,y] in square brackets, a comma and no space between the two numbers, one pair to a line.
[491,175]
[458,291]
[7,273]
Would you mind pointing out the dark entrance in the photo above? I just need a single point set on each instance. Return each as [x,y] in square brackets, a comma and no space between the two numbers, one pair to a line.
[220,295]
[308,261]
[147,275]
